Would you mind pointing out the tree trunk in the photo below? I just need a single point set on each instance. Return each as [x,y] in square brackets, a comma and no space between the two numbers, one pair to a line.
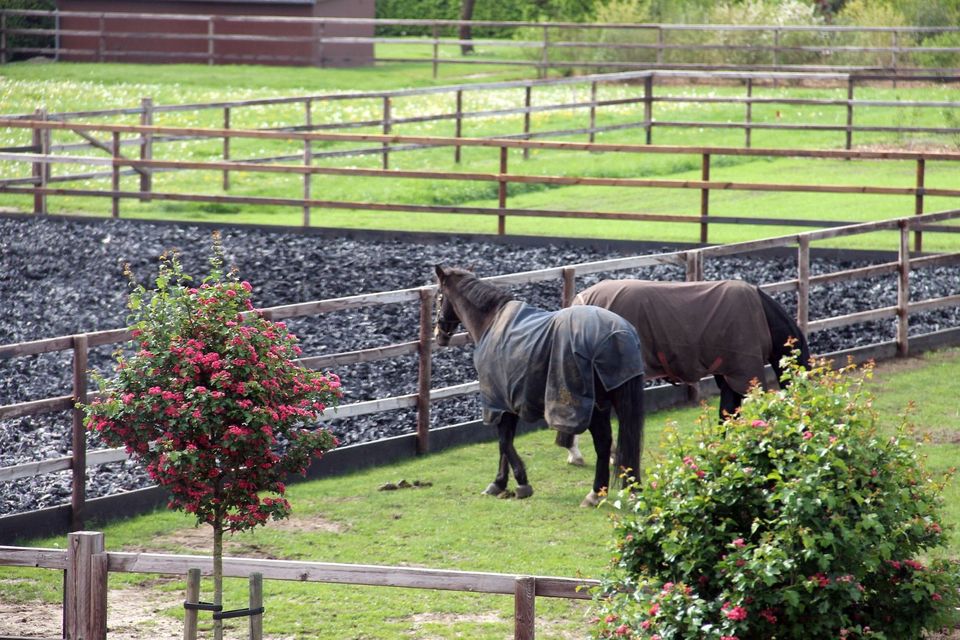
[218,575]
[466,33]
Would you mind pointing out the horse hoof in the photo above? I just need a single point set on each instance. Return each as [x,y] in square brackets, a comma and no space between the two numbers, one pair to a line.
[576,461]
[524,491]
[493,490]
[592,500]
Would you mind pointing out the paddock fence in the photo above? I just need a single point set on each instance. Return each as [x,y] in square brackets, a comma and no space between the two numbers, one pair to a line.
[86,566]
[607,103]
[40,184]
[542,46]
[691,261]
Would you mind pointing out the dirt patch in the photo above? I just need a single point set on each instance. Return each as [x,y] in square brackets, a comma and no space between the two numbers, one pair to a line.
[200,539]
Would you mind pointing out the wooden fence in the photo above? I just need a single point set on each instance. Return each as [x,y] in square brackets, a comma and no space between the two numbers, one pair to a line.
[86,565]
[691,260]
[654,88]
[39,183]
[543,46]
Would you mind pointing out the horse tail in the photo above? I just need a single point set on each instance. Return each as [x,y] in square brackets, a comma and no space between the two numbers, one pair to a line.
[628,403]
[783,327]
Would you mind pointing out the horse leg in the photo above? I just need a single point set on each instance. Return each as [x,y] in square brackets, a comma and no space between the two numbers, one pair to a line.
[499,484]
[627,401]
[730,400]
[509,458]
[570,443]
[602,442]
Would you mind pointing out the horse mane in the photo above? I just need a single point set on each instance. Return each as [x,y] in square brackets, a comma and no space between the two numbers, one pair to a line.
[485,297]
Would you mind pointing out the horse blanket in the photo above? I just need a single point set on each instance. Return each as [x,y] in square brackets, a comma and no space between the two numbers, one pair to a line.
[541,365]
[689,330]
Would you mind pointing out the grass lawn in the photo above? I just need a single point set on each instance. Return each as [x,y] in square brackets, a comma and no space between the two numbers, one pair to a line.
[449,525]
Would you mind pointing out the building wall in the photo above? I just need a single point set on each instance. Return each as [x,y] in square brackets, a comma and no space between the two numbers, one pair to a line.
[140,39]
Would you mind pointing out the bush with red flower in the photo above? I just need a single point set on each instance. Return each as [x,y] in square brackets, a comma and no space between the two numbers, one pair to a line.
[796,519]
[212,401]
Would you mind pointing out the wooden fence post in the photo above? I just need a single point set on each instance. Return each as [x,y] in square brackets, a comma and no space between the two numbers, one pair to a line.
[425,358]
[648,107]
[527,102]
[226,147]
[593,110]
[40,169]
[436,51]
[803,282]
[694,266]
[776,49]
[146,148]
[386,131]
[85,589]
[458,125]
[850,84]
[704,197]
[502,193]
[543,70]
[79,433]
[659,46]
[102,38]
[115,176]
[3,38]
[524,607]
[193,597]
[321,32]
[569,286]
[903,291]
[307,180]
[918,202]
[748,128]
[210,47]
[255,603]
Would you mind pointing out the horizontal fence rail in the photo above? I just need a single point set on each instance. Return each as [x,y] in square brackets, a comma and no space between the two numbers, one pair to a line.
[87,565]
[691,260]
[40,183]
[543,46]
[653,91]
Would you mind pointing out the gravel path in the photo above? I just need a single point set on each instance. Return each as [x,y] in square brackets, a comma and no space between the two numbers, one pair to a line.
[63,277]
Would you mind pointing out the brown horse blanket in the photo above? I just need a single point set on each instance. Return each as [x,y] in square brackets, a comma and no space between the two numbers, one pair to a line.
[689,330]
[541,365]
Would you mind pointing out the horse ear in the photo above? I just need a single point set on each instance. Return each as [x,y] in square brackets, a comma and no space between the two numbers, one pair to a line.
[441,273]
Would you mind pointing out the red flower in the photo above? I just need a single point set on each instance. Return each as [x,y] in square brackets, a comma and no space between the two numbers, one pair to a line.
[736,613]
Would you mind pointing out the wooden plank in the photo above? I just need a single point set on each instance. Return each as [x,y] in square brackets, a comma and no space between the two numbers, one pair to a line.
[481,142]
[371,575]
[524,608]
[361,355]
[36,407]
[934,303]
[32,469]
[43,558]
[852,318]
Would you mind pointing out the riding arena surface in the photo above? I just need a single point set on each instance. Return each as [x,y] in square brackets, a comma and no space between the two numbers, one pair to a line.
[61,277]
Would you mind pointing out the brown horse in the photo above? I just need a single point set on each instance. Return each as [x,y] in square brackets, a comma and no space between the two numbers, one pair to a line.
[725,328]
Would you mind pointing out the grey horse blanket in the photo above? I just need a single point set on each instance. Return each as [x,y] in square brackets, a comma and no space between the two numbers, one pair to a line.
[689,330]
[540,365]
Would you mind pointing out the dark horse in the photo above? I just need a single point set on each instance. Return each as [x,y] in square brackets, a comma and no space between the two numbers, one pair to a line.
[725,328]
[566,369]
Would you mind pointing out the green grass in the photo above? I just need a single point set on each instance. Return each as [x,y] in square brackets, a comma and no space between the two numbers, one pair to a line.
[449,525]
[79,86]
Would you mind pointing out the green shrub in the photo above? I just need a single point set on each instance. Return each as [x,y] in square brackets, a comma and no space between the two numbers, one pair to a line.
[797,519]
[867,13]
[939,59]
[17,41]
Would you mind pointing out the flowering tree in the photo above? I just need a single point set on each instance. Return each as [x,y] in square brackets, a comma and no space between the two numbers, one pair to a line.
[212,402]
[796,519]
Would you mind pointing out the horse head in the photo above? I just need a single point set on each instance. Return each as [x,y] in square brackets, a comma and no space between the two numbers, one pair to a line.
[447,319]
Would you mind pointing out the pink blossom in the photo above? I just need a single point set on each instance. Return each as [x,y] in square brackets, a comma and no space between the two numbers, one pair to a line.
[758,423]
[739,543]
[807,435]
[246,286]
[622,630]
[737,613]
